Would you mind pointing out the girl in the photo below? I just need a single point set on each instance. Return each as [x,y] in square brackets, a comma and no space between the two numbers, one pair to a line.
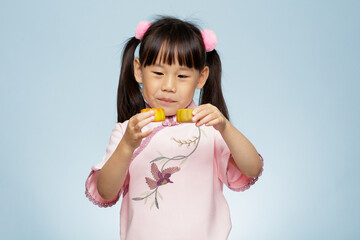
[171,174]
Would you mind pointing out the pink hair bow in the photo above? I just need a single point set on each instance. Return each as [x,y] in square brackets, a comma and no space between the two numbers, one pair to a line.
[209,39]
[141,29]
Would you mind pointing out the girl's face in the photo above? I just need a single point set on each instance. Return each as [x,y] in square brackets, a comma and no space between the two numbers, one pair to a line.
[170,87]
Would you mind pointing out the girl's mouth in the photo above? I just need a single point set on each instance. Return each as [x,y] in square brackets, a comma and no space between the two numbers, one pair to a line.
[166,100]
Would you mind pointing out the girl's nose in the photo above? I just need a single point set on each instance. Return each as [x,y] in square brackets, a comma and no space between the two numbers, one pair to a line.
[169,84]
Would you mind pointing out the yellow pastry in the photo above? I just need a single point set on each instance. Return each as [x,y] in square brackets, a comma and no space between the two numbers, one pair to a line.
[184,115]
[159,113]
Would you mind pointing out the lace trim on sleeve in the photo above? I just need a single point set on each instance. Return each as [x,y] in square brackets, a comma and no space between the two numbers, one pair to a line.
[253,181]
[103,204]
[98,203]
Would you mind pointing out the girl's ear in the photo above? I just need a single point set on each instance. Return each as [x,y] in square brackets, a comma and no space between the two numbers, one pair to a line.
[137,70]
[204,74]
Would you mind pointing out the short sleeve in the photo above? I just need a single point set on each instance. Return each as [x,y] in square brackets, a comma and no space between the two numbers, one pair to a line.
[228,173]
[91,191]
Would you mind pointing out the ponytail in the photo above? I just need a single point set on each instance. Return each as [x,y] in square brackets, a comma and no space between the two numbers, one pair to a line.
[212,92]
[129,97]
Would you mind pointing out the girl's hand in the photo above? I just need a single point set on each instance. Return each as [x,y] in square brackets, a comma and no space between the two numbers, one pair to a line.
[210,116]
[133,134]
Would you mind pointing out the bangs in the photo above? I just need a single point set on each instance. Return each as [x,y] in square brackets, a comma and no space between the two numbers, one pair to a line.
[166,46]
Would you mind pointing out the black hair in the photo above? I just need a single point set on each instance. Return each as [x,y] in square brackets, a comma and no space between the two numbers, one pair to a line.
[174,38]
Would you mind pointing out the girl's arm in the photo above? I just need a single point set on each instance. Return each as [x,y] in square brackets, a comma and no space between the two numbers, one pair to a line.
[112,174]
[244,153]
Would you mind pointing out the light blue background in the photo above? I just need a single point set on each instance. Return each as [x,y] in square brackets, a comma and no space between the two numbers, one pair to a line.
[291,81]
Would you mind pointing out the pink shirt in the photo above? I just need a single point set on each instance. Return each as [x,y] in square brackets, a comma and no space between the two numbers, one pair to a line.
[173,188]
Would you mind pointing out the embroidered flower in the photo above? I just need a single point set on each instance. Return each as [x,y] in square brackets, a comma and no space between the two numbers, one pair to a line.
[160,177]
[163,177]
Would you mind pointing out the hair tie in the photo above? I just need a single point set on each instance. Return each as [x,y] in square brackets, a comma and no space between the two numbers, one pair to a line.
[141,29]
[209,39]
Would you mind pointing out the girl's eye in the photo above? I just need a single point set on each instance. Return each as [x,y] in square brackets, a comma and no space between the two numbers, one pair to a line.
[158,73]
[182,76]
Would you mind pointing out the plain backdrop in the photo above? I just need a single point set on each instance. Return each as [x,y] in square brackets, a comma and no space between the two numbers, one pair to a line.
[290,79]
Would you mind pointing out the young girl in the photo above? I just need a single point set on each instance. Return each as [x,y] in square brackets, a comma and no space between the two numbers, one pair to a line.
[171,174]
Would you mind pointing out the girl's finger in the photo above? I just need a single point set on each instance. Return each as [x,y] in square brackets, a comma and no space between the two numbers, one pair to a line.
[134,120]
[201,114]
[145,134]
[141,116]
[145,122]
[213,122]
[206,119]
[200,108]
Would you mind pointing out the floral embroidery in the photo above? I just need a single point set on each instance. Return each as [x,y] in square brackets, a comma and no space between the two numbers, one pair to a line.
[187,142]
[162,177]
